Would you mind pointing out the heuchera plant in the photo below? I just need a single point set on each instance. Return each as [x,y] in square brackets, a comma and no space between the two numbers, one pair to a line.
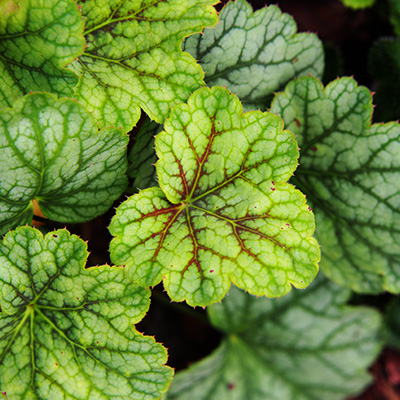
[225,186]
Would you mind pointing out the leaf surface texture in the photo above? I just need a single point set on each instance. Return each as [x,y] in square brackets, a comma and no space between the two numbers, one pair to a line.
[134,60]
[142,156]
[53,152]
[224,211]
[37,40]
[350,172]
[66,331]
[254,54]
[307,345]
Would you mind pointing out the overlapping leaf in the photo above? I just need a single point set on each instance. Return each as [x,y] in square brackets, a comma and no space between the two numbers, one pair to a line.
[255,54]
[306,346]
[224,211]
[51,151]
[350,172]
[142,157]
[134,61]
[66,331]
[37,40]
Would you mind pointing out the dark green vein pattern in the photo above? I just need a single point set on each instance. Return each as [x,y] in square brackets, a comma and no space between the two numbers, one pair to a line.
[134,61]
[350,172]
[52,152]
[255,54]
[67,332]
[142,157]
[307,345]
[224,212]
[37,40]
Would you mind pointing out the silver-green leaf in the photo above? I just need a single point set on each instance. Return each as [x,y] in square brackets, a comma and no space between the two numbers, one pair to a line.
[350,171]
[307,345]
[255,54]
[52,152]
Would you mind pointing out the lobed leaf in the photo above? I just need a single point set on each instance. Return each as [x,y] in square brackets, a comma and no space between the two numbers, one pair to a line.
[134,61]
[224,211]
[307,345]
[255,54]
[53,152]
[67,332]
[37,40]
[350,171]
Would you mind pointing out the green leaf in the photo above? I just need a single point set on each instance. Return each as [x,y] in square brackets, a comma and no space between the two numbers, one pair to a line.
[393,323]
[255,54]
[66,331]
[350,172]
[358,4]
[37,40]
[224,211]
[134,61]
[142,157]
[52,152]
[307,345]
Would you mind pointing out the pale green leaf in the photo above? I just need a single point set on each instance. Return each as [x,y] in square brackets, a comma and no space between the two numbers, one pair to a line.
[53,152]
[67,332]
[142,157]
[37,40]
[255,54]
[134,61]
[358,4]
[350,172]
[224,211]
[307,345]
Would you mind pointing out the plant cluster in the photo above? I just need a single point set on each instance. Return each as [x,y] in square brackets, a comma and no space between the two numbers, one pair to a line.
[235,174]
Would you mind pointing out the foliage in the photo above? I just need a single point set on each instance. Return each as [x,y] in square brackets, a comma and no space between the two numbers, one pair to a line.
[216,197]
[224,210]
[268,340]
[67,331]
[53,153]
[349,170]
